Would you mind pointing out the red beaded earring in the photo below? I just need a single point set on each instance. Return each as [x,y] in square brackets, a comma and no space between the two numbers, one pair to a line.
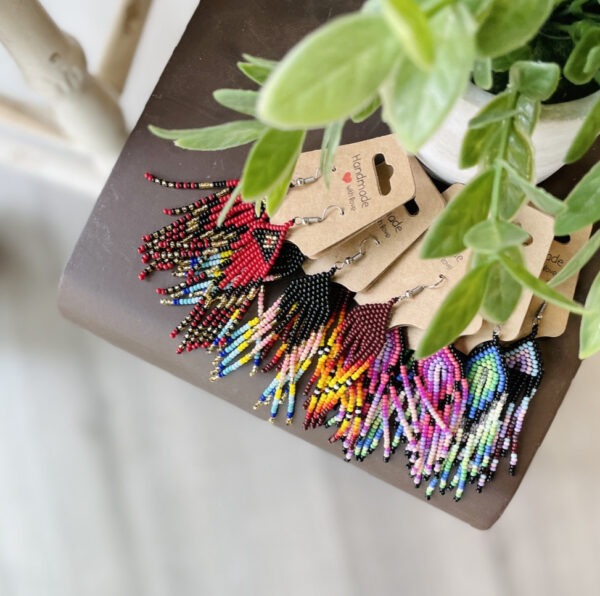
[224,266]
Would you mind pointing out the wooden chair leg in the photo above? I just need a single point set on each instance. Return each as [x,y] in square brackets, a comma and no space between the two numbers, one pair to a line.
[54,65]
[123,42]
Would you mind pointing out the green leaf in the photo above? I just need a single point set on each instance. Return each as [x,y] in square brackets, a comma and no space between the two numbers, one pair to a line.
[586,136]
[239,100]
[269,162]
[213,138]
[170,133]
[512,198]
[578,261]
[258,74]
[493,236]
[528,113]
[486,118]
[367,111]
[577,69]
[478,140]
[256,69]
[519,153]
[536,80]
[542,199]
[415,102]
[279,191]
[537,286]
[592,64]
[510,24]
[582,206]
[331,141]
[589,334]
[502,294]
[264,62]
[331,74]
[455,313]
[410,25]
[482,73]
[446,235]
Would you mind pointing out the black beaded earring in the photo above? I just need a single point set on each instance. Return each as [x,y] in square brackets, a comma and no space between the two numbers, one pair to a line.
[299,320]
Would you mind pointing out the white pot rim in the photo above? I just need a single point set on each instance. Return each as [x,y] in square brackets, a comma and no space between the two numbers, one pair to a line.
[554,133]
[567,110]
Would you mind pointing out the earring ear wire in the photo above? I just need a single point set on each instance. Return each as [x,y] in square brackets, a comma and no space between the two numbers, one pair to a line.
[357,256]
[299,182]
[305,221]
[418,289]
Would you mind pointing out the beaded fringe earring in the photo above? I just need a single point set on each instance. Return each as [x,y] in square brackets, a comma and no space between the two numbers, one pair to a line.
[359,337]
[501,383]
[357,373]
[299,320]
[456,415]
[465,422]
[224,266]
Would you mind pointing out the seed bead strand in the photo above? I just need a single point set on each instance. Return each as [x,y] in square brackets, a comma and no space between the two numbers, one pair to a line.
[350,441]
[202,185]
[376,384]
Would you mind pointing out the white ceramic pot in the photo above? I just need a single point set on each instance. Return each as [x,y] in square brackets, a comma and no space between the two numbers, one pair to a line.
[555,130]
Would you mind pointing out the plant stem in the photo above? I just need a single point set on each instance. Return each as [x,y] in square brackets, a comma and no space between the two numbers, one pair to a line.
[500,156]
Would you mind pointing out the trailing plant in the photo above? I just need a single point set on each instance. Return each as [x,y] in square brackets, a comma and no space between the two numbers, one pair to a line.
[414,59]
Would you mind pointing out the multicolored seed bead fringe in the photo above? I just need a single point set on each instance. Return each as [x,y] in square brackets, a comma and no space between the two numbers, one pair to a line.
[223,266]
[297,321]
[358,342]
[455,415]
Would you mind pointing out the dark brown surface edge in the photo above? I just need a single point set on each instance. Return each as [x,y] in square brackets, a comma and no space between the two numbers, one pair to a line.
[100,290]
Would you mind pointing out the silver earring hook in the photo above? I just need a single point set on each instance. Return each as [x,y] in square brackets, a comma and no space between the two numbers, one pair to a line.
[539,315]
[304,221]
[418,289]
[309,180]
[359,255]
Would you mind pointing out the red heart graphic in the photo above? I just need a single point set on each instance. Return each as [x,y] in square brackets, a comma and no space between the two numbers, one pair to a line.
[347,178]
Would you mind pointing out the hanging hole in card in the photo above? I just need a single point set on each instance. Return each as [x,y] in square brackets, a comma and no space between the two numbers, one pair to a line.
[562,239]
[412,207]
[384,173]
